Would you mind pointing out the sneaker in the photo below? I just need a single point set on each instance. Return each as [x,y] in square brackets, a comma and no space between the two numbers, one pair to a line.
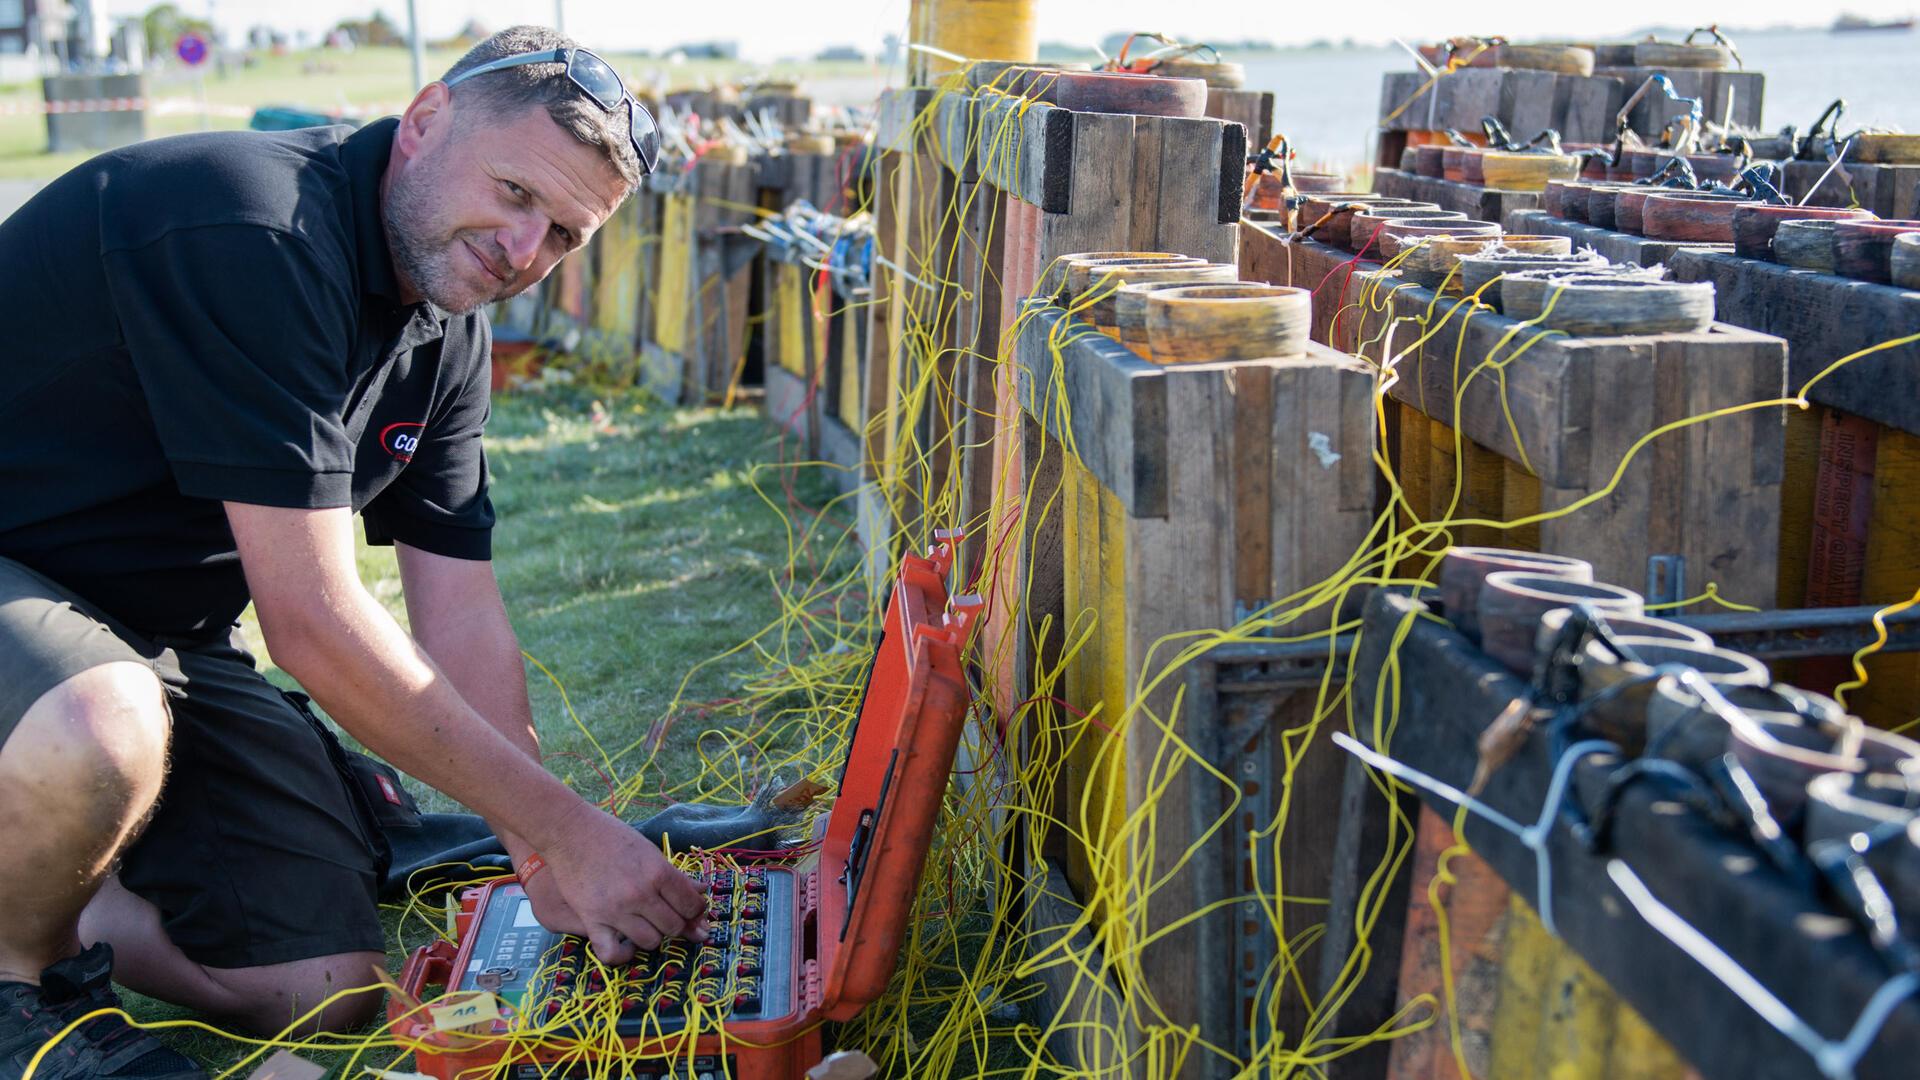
[105,1047]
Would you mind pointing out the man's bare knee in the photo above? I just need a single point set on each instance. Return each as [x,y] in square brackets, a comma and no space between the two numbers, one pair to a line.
[103,730]
[267,1000]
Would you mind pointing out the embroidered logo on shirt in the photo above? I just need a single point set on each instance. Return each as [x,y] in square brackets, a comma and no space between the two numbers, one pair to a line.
[388,789]
[400,440]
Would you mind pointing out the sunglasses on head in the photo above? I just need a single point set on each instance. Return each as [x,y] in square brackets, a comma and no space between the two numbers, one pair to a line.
[595,78]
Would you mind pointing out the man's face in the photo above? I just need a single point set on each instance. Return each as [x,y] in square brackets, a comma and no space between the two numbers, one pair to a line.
[478,210]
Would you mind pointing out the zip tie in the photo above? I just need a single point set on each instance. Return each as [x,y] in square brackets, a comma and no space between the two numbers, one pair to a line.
[1533,837]
[1835,1060]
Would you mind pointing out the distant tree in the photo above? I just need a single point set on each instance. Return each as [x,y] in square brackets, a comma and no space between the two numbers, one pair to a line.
[378,30]
[164,23]
[470,35]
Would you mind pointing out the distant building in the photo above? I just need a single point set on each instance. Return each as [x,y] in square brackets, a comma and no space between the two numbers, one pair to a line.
[35,27]
[710,50]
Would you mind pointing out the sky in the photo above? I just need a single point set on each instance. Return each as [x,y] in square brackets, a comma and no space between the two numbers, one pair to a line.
[771,29]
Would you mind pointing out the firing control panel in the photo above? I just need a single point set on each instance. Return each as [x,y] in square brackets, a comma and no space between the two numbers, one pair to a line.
[745,970]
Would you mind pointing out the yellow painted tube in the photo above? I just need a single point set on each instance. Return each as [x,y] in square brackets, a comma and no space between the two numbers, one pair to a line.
[975,29]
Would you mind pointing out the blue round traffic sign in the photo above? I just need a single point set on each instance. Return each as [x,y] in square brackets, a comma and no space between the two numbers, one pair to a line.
[191,49]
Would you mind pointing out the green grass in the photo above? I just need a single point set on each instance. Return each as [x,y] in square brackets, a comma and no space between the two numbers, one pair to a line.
[628,550]
[372,82]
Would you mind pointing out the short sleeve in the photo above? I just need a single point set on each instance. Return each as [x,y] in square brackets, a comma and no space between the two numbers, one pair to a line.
[439,502]
[240,336]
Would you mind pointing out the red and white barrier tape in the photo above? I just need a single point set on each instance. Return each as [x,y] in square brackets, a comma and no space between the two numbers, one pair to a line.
[160,107]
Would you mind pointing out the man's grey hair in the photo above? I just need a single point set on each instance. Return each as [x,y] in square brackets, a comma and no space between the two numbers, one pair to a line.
[500,95]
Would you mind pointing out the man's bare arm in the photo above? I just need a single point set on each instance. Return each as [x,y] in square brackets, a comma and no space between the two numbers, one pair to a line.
[325,630]
[456,613]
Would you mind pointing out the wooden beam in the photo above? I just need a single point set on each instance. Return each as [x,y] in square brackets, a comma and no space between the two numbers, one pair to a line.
[1617,246]
[1477,202]
[1823,318]
[1812,960]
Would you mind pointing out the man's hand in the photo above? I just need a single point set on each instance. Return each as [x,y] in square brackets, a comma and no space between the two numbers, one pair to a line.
[457,615]
[610,885]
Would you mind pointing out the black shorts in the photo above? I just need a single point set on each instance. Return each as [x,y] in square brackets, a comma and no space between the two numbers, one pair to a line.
[263,848]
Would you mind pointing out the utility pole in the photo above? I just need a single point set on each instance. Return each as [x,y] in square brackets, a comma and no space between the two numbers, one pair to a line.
[419,47]
[560,15]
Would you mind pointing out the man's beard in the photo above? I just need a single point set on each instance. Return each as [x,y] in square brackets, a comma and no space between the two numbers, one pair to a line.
[427,249]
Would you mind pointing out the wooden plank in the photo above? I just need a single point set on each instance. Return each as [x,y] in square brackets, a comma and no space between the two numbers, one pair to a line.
[981,253]
[1179,579]
[1477,202]
[1814,962]
[876,369]
[1087,1026]
[1746,88]
[900,122]
[1890,191]
[1026,150]
[1891,697]
[1193,217]
[1573,407]
[956,136]
[1367,913]
[1475,907]
[1617,246]
[1824,318]
[1251,109]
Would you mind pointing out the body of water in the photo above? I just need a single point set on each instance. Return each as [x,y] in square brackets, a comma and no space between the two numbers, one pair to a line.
[1328,102]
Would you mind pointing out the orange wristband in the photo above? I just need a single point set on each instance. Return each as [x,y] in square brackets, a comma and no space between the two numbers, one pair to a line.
[532,866]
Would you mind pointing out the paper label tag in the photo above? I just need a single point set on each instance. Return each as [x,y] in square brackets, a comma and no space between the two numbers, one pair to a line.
[465,1011]
[285,1065]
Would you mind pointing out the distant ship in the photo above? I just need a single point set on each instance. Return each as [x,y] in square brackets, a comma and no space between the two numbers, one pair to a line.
[1854,23]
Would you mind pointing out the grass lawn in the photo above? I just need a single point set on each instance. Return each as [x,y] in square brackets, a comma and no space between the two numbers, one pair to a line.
[628,549]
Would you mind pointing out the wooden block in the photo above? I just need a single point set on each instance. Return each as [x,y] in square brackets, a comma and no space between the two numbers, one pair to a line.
[788,405]
[1519,500]
[1189,217]
[901,122]
[1251,109]
[1367,915]
[1088,1028]
[1617,246]
[1406,101]
[1802,463]
[1026,150]
[1824,318]
[1442,473]
[1482,496]
[1478,203]
[956,137]
[1891,697]
[1590,108]
[1815,963]
[676,270]
[981,254]
[1891,191]
[1474,902]
[1116,406]
[1746,89]
[1708,492]
[1523,100]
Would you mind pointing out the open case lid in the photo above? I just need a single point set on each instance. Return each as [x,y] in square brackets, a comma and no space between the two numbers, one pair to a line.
[898,762]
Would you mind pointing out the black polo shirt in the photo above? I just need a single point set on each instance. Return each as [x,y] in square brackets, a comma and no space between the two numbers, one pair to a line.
[215,317]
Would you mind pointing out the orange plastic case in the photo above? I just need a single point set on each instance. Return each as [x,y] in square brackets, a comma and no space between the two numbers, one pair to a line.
[844,909]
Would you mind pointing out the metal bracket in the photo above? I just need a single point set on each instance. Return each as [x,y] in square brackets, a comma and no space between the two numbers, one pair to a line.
[1666,579]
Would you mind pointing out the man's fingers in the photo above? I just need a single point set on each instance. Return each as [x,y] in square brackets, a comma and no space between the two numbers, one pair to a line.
[685,897]
[642,932]
[610,944]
